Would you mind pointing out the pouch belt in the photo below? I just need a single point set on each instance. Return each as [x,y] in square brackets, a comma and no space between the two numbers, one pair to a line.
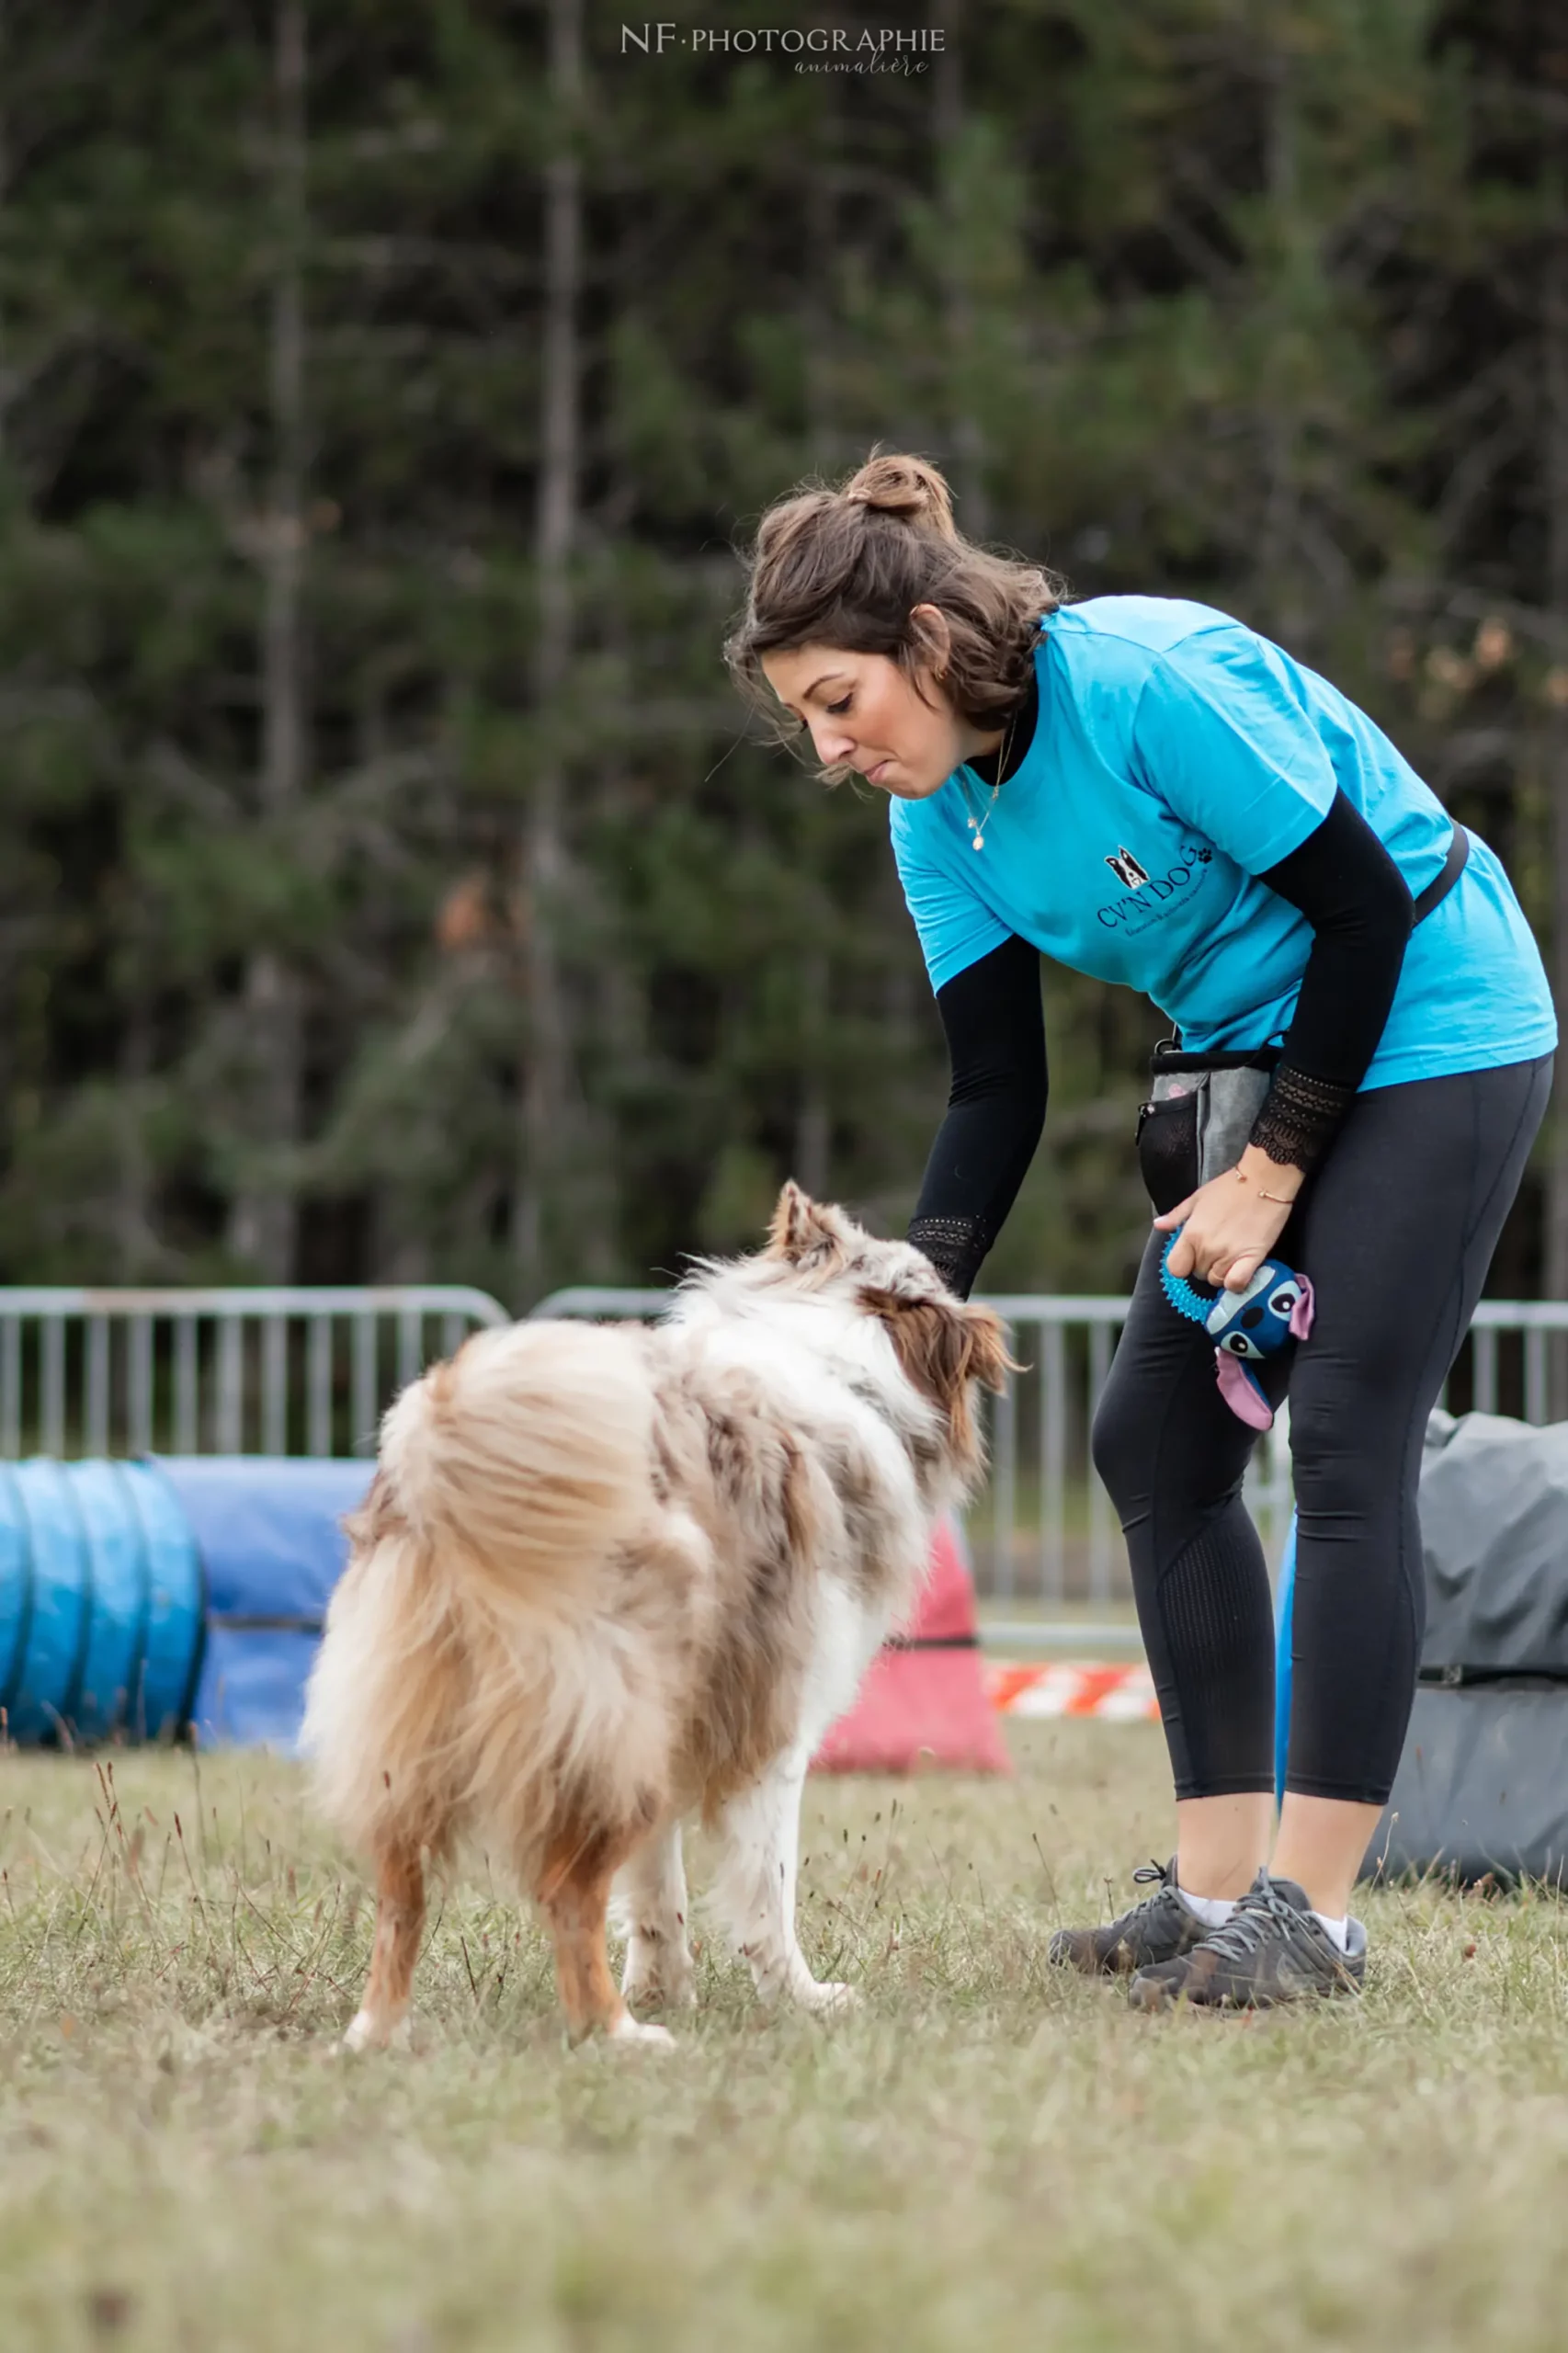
[1443,881]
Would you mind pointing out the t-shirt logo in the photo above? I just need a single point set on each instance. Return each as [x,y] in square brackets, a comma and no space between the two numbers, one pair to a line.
[1126,869]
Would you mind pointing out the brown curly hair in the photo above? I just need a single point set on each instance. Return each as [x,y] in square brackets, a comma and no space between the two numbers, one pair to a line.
[846,566]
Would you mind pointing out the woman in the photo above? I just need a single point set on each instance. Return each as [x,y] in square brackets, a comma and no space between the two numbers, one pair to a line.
[1143,789]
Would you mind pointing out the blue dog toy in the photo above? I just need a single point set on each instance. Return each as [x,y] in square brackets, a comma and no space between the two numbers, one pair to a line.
[1246,1327]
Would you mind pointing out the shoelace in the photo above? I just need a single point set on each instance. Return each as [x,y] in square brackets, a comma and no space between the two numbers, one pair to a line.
[1258,1912]
[1147,1873]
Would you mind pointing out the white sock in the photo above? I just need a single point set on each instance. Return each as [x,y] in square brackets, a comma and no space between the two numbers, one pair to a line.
[1212,1910]
[1338,1930]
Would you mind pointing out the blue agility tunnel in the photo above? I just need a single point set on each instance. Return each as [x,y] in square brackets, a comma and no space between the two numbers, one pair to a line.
[270,1535]
[101,1613]
[139,1599]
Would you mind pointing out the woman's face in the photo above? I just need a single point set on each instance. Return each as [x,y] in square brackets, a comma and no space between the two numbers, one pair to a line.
[864,714]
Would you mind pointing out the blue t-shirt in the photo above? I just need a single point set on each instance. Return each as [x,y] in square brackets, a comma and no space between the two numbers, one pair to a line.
[1175,756]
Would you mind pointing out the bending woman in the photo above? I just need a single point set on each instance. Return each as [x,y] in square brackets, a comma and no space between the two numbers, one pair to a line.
[1145,789]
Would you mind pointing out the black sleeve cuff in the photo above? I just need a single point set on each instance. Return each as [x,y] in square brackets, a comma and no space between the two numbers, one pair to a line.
[956,1247]
[1300,1119]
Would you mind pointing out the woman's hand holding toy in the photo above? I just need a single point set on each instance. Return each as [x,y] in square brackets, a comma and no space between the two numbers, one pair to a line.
[1230,1225]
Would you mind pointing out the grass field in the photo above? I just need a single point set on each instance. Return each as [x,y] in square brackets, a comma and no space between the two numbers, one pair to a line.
[986,2155]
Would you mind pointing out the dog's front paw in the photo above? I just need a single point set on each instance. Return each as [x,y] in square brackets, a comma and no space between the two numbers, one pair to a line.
[367,2033]
[661,1989]
[627,2029]
[826,1997]
[659,1974]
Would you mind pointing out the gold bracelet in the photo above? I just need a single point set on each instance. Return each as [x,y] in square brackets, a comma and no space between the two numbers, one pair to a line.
[1285,1200]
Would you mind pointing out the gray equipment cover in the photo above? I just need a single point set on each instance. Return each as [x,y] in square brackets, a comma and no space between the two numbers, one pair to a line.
[1482,1784]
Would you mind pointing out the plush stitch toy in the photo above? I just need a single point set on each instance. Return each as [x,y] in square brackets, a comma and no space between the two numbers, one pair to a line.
[1246,1327]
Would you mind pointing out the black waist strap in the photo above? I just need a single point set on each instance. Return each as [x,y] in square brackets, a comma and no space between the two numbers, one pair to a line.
[1443,881]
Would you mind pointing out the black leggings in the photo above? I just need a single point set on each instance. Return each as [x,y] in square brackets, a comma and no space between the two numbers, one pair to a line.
[1396,1231]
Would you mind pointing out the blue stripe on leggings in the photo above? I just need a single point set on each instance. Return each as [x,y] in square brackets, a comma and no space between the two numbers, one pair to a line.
[1284,1619]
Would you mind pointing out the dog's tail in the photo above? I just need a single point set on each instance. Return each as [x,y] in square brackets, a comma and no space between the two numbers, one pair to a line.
[459,1644]
[528,1457]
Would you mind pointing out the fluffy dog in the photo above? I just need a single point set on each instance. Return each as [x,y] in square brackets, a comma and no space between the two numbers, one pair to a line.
[609,1576]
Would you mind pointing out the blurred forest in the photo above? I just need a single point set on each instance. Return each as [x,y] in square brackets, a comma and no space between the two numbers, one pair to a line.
[390,885]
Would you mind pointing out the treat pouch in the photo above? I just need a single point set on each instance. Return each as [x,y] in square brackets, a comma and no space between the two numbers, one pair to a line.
[1198,1115]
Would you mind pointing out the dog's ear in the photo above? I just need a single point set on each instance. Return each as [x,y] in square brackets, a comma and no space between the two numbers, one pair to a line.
[805,1231]
[786,1235]
[990,1362]
[943,1345]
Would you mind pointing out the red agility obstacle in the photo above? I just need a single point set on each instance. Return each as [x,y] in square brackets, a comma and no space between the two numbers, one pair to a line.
[924,1701]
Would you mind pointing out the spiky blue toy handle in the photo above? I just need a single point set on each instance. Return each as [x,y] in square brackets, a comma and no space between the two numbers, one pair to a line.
[1239,1324]
[1179,1291]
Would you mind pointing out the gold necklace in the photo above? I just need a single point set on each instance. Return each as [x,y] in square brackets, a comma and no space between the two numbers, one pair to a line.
[977,824]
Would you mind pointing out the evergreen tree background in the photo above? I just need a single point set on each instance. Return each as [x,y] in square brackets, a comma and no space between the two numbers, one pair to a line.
[390,886]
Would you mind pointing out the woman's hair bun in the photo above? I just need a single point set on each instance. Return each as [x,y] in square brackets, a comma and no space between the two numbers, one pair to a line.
[907,489]
[820,572]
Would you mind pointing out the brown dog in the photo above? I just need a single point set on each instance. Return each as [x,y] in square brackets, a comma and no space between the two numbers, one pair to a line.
[607,1576]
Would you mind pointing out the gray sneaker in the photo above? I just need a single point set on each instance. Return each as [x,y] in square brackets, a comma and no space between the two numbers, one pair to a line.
[1272,1949]
[1160,1928]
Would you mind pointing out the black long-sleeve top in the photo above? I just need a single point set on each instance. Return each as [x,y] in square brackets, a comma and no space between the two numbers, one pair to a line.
[1349,888]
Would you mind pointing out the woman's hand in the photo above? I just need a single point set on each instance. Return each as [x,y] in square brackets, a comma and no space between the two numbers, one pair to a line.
[1229,1226]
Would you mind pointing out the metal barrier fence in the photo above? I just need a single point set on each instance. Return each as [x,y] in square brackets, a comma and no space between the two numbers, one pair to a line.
[308,1370]
[1044,1533]
[300,1370]
[1516,1359]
